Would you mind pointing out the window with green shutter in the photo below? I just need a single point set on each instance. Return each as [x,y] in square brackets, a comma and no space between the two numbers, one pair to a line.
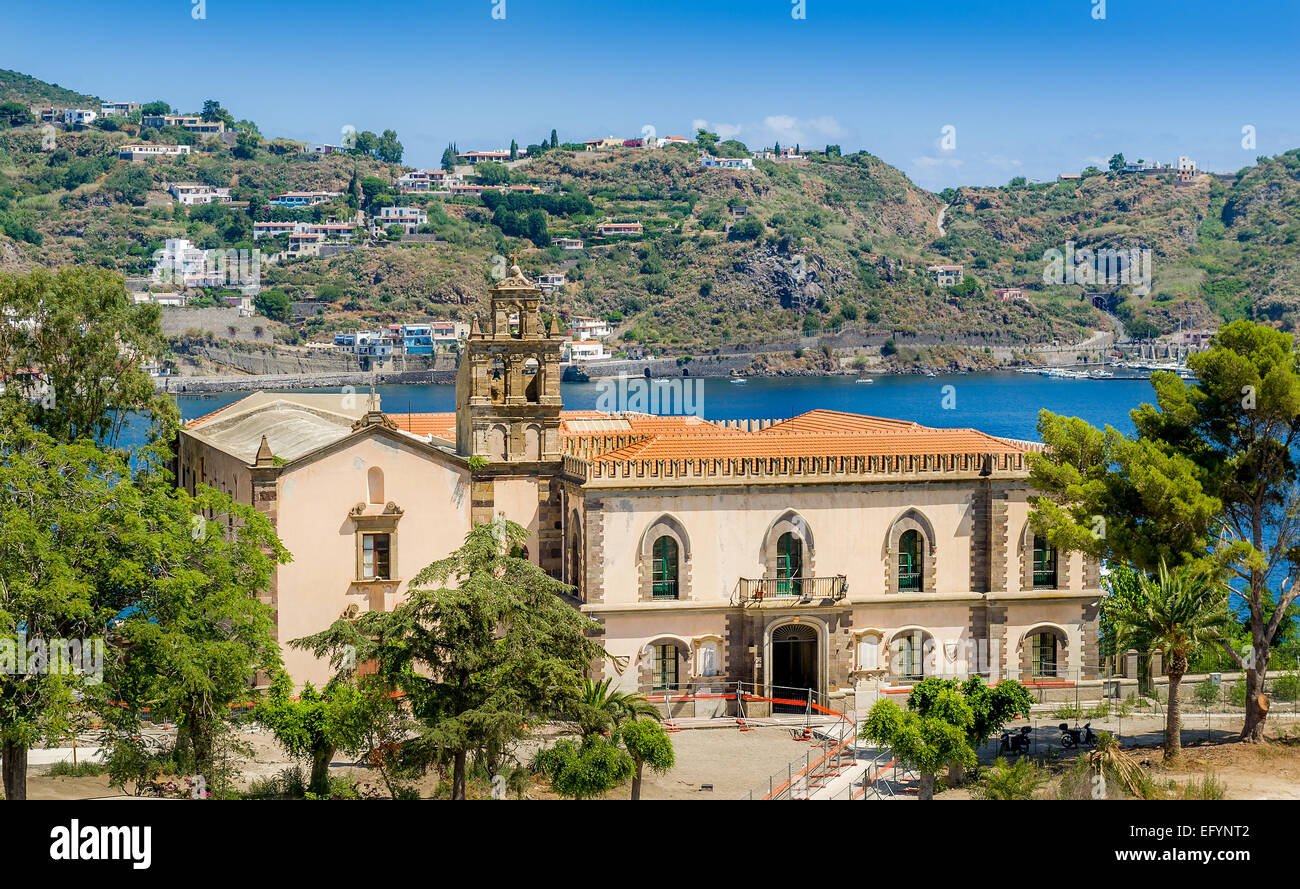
[909,561]
[664,568]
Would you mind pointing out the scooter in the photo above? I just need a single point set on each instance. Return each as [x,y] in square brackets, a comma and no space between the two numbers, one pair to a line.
[1013,742]
[1073,737]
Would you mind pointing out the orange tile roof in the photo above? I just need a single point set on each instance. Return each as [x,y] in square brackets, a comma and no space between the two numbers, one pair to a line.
[811,444]
[839,421]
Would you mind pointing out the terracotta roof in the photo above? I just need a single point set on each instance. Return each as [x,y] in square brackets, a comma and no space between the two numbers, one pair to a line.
[839,421]
[749,445]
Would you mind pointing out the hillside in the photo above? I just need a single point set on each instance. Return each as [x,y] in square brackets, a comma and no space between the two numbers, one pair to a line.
[18,87]
[728,257]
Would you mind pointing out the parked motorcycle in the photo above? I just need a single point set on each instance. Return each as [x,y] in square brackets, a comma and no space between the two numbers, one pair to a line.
[1073,737]
[1013,742]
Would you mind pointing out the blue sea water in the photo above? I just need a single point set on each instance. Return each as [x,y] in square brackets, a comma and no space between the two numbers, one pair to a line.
[999,403]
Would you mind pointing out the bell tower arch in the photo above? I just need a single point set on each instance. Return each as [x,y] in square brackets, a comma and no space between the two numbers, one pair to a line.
[508,382]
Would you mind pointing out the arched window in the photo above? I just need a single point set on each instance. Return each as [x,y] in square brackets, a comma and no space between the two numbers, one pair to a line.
[664,568]
[909,651]
[375,484]
[910,563]
[532,380]
[789,564]
[1043,658]
[1044,564]
[575,567]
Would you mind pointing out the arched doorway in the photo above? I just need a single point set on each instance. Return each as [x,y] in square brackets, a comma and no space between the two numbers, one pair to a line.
[794,664]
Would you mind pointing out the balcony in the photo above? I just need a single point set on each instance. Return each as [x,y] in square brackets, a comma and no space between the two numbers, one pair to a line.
[790,590]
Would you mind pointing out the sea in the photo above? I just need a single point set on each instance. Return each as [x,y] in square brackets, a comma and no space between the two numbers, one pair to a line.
[999,403]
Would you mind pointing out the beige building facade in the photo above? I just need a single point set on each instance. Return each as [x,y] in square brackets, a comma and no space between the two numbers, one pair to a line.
[828,552]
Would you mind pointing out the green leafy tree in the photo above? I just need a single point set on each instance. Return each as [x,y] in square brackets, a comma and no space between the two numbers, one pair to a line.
[196,632]
[585,769]
[1175,613]
[928,743]
[90,342]
[514,150]
[648,745]
[991,706]
[1117,162]
[246,145]
[706,140]
[387,148]
[482,645]
[555,140]
[60,535]
[1209,477]
[491,173]
[317,724]
[274,304]
[449,157]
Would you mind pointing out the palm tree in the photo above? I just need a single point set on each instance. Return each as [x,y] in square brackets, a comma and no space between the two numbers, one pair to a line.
[1176,612]
[600,707]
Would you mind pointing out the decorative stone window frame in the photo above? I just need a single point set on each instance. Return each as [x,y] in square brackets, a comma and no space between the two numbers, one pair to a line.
[697,662]
[911,519]
[1026,654]
[882,653]
[1027,563]
[791,522]
[646,665]
[363,523]
[667,525]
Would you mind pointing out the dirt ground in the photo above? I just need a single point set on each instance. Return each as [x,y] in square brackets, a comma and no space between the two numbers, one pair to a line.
[735,762]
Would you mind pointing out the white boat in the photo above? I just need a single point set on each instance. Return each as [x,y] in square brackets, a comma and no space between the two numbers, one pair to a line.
[740,381]
[865,380]
[930,374]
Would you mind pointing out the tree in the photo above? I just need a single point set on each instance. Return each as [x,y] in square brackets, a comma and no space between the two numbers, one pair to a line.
[555,139]
[196,632]
[927,743]
[274,304]
[991,706]
[706,140]
[388,149]
[449,157]
[318,723]
[1209,477]
[648,744]
[514,150]
[490,173]
[1123,593]
[90,343]
[1175,612]
[212,111]
[600,708]
[246,145]
[1117,163]
[59,537]
[584,769]
[481,646]
[15,114]
[157,107]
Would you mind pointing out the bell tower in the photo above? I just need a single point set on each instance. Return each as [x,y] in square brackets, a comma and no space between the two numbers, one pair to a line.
[508,382]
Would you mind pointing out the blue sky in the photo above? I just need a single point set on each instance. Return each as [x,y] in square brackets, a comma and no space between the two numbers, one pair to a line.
[1031,87]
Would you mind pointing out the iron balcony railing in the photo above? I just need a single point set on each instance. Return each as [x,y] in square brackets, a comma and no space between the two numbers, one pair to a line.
[785,589]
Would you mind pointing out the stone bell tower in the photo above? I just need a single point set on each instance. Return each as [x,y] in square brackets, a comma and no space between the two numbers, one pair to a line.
[508,382]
